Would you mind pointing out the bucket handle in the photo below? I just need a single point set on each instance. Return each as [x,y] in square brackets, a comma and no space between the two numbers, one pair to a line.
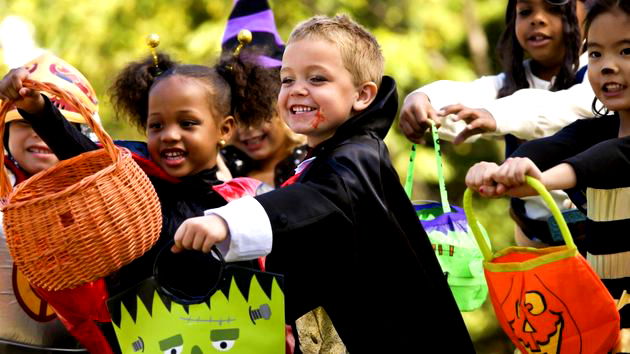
[446,207]
[486,248]
[183,297]
[104,138]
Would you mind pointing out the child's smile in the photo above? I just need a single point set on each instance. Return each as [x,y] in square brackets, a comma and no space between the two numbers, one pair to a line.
[253,144]
[182,130]
[173,157]
[317,93]
[299,109]
[268,141]
[538,39]
[539,31]
[612,89]
[28,149]
[609,60]
[39,150]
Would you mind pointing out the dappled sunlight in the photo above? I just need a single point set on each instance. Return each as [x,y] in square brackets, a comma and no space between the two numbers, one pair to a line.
[422,41]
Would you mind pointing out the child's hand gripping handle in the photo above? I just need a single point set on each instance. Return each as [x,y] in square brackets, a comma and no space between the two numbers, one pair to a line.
[104,138]
[216,266]
[485,248]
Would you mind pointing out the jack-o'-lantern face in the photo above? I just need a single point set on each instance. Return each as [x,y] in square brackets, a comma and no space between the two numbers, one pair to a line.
[536,325]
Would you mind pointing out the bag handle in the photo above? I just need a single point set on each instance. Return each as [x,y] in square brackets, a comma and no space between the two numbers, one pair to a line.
[446,207]
[180,295]
[104,138]
[486,249]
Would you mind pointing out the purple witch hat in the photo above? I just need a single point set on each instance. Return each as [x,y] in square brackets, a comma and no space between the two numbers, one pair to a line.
[257,17]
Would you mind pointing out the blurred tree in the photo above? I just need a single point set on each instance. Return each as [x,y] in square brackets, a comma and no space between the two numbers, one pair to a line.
[422,40]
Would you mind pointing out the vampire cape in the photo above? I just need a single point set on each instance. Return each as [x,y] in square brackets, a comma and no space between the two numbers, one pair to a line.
[347,238]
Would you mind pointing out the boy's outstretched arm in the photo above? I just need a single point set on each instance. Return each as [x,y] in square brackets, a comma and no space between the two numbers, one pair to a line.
[241,231]
[12,89]
[200,233]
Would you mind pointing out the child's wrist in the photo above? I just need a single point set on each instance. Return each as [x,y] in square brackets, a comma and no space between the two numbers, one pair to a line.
[224,231]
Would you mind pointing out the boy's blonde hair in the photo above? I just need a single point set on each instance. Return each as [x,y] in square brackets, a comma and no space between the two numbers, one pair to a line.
[360,52]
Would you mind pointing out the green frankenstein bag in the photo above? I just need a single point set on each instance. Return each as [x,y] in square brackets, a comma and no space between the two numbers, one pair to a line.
[452,240]
[243,313]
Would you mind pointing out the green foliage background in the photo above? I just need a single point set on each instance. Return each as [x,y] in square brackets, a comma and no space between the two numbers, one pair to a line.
[422,40]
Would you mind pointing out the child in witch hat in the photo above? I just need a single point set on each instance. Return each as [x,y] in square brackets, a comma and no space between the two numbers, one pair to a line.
[268,151]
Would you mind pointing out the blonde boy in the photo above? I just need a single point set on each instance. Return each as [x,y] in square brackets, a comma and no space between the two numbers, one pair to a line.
[343,232]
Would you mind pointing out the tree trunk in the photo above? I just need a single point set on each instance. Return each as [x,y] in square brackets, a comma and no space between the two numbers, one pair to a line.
[477,40]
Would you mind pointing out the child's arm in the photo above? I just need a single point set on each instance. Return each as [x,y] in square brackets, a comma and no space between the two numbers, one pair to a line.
[200,233]
[528,113]
[510,177]
[530,158]
[65,140]
[534,113]
[24,98]
[491,180]
[429,101]
[604,164]
[479,178]
[241,230]
[415,115]
[62,138]
[477,121]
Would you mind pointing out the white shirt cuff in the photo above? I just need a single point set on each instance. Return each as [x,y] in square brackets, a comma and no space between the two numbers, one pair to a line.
[250,234]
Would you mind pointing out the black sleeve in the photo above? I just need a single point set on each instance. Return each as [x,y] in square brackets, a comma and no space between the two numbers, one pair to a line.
[61,136]
[302,217]
[571,140]
[605,165]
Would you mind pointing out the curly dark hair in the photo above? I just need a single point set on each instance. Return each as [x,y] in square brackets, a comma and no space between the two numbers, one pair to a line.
[511,53]
[254,87]
[131,88]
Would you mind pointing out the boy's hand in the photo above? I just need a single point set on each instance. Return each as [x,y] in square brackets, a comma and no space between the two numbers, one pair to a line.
[511,176]
[478,120]
[24,98]
[415,115]
[479,178]
[200,233]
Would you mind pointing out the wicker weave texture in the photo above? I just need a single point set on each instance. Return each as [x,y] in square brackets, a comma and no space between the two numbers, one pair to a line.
[83,218]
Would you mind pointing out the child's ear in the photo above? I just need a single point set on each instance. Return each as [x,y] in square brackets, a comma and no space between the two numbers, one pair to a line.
[366,94]
[227,127]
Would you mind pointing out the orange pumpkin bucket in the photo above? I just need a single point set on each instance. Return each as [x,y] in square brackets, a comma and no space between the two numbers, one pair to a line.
[548,300]
[83,218]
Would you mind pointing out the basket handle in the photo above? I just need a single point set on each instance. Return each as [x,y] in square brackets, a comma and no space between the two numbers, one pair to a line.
[542,191]
[104,138]
[181,296]
[446,207]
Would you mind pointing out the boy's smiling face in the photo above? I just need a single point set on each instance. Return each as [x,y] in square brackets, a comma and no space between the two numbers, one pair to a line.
[317,93]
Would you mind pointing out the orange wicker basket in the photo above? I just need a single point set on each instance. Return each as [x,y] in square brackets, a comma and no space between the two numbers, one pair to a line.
[83,218]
